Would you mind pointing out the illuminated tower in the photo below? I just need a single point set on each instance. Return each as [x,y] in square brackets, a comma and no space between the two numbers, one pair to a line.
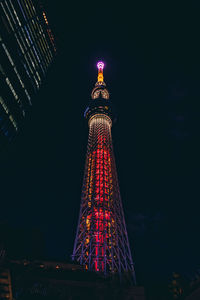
[101,242]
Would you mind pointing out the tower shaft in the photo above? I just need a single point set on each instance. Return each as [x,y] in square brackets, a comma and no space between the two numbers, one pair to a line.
[101,242]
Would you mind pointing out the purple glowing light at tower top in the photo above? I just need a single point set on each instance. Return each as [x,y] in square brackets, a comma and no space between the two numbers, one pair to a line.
[100,65]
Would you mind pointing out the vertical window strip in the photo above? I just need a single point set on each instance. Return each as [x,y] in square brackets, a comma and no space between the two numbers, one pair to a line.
[15,95]
[43,49]
[46,44]
[8,54]
[12,89]
[19,43]
[13,122]
[46,50]
[7,16]
[27,41]
[24,44]
[44,58]
[28,96]
[15,13]
[15,69]
[27,32]
[19,77]
[34,57]
[5,107]
[31,7]
[38,76]
[26,69]
[25,9]
[22,10]
[44,40]
[30,68]
[37,83]
[39,58]
[32,30]
[10,13]
[31,60]
[22,84]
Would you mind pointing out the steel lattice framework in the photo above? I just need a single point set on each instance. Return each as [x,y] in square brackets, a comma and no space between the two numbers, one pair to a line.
[101,242]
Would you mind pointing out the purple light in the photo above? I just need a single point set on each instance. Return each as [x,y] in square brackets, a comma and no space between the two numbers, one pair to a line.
[100,65]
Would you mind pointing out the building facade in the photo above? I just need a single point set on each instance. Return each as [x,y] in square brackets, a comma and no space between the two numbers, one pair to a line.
[101,243]
[27,49]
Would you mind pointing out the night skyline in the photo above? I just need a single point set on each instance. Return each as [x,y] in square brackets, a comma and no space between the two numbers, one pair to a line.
[152,72]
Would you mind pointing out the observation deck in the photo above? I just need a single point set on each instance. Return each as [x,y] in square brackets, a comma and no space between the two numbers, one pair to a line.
[100,102]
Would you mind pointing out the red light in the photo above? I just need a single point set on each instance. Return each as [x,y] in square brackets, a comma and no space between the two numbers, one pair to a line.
[101,216]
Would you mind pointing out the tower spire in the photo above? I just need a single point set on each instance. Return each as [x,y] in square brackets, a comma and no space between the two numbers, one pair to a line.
[100,66]
[100,90]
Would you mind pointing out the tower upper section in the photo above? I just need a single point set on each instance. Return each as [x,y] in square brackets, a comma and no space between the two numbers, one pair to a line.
[100,90]
[100,102]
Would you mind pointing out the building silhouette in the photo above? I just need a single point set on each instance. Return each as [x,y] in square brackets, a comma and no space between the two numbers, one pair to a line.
[28,275]
[27,49]
[101,243]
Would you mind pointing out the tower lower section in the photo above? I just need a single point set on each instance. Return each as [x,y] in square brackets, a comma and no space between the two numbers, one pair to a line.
[101,242]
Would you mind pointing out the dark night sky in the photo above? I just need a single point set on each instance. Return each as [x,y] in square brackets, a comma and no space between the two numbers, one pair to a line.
[152,68]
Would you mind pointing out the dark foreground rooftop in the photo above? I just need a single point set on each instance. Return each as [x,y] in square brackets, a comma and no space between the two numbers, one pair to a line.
[29,280]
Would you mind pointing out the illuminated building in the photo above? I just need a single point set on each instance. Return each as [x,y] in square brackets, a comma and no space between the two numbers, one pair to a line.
[101,243]
[27,49]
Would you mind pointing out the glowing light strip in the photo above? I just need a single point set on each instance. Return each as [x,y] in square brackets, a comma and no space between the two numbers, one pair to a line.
[4,105]
[22,10]
[7,112]
[29,9]
[36,44]
[23,42]
[13,122]
[7,16]
[30,68]
[18,76]
[27,72]
[15,95]
[10,12]
[15,13]
[33,57]
[8,54]
[45,47]
[28,96]
[27,32]
[33,7]
[25,9]
[46,44]
[19,43]
[12,89]
[27,41]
